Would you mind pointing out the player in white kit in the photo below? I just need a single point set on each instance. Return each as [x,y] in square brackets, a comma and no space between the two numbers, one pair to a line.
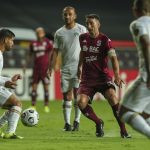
[66,41]
[8,100]
[136,100]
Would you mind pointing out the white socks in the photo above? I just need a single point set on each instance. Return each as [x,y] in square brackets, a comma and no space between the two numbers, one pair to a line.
[137,122]
[67,106]
[13,118]
[3,119]
[77,111]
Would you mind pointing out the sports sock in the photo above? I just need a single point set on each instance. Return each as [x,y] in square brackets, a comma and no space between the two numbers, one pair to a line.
[90,114]
[67,107]
[46,98]
[13,118]
[3,119]
[33,97]
[77,111]
[137,122]
[120,123]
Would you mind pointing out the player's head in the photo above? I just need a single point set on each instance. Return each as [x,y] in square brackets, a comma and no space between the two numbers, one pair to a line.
[141,7]
[40,32]
[69,15]
[92,23]
[6,39]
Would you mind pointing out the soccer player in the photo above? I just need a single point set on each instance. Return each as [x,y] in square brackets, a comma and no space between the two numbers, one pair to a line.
[66,41]
[136,100]
[8,100]
[93,71]
[41,51]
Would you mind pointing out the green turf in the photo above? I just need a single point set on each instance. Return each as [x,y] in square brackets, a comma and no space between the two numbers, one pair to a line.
[48,135]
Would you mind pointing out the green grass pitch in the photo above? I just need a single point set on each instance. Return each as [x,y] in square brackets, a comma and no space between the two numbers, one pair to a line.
[48,135]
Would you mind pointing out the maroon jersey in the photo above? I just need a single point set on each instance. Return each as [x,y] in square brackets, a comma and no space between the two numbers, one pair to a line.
[41,51]
[95,59]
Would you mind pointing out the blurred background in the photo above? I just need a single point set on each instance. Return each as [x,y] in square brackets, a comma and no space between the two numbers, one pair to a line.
[23,16]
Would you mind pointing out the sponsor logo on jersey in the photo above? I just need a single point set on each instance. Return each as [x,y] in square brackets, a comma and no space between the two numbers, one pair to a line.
[99,42]
[84,48]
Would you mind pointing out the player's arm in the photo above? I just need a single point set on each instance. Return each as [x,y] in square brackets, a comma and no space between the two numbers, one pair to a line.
[145,47]
[115,65]
[52,61]
[79,71]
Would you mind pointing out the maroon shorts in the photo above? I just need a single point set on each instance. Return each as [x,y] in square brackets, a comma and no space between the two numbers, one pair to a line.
[39,74]
[91,90]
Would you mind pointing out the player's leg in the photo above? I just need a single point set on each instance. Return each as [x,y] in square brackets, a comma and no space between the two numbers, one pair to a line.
[77,112]
[46,95]
[110,95]
[67,107]
[34,95]
[134,102]
[67,98]
[87,110]
[13,105]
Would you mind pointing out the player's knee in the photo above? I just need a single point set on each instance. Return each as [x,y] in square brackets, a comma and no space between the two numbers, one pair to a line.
[128,116]
[33,93]
[18,103]
[82,102]
[46,93]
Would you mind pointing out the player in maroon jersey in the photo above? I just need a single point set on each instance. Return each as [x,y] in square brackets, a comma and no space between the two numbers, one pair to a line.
[93,71]
[41,52]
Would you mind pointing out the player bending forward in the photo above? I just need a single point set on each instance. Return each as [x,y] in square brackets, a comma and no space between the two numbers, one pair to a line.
[7,99]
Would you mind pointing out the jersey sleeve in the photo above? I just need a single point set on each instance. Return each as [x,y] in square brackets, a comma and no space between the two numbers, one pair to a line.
[108,44]
[137,29]
[3,80]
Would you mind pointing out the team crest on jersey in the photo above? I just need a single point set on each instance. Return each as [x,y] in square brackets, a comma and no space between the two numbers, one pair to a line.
[76,34]
[84,48]
[99,42]
[44,43]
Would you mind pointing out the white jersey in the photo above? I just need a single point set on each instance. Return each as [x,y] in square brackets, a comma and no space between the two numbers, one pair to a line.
[2,79]
[140,27]
[67,41]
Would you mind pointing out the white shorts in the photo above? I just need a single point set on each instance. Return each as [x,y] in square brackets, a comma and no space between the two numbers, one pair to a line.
[137,97]
[69,80]
[4,95]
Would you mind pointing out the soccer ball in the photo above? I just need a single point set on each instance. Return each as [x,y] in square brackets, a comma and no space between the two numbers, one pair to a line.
[29,117]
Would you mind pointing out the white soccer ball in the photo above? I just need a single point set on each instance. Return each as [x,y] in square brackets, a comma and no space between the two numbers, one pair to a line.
[30,117]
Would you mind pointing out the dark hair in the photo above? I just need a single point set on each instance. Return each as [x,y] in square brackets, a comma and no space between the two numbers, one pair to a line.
[6,33]
[93,16]
[69,7]
[142,5]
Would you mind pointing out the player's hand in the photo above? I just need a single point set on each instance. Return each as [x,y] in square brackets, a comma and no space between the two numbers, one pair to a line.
[49,73]
[118,81]
[10,84]
[16,77]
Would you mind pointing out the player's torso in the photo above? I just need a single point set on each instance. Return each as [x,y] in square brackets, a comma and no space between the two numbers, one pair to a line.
[141,24]
[94,57]
[68,44]
[40,50]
